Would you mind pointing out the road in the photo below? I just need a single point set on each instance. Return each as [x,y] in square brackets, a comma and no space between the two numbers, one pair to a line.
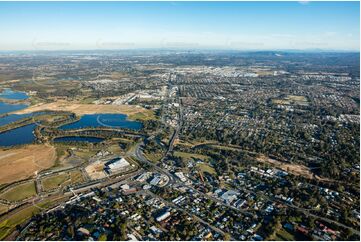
[176,131]
[140,157]
[175,181]
[170,204]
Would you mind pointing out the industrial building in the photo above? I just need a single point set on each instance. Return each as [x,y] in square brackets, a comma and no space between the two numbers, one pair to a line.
[116,165]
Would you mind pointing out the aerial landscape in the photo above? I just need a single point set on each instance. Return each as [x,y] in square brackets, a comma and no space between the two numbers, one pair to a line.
[194,135]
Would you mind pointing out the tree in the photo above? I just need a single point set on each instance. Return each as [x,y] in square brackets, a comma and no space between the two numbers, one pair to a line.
[227,237]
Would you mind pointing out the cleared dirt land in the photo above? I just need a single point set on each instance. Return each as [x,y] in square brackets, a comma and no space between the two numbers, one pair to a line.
[295,169]
[21,163]
[298,170]
[96,170]
[132,111]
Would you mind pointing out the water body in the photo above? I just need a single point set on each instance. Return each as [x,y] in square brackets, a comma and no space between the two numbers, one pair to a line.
[7,107]
[78,139]
[15,117]
[12,118]
[14,95]
[103,120]
[18,136]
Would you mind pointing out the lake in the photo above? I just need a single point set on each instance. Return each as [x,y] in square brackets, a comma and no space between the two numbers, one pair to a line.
[78,139]
[103,120]
[7,107]
[4,120]
[12,118]
[18,136]
[14,95]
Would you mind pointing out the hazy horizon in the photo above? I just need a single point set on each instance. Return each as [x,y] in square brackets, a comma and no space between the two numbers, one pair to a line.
[240,26]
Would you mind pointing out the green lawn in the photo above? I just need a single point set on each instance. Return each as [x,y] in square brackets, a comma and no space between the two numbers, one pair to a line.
[20,192]
[204,167]
[222,147]
[62,180]
[186,155]
[54,181]
[154,157]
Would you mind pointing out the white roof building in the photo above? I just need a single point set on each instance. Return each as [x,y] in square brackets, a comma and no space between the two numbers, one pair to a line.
[163,216]
[116,164]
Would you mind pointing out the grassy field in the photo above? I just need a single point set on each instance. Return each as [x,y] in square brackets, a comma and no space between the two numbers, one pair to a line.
[222,147]
[76,177]
[3,209]
[88,100]
[85,153]
[115,149]
[193,142]
[21,163]
[186,155]
[54,181]
[35,100]
[154,157]
[62,180]
[20,192]
[131,148]
[144,115]
[204,167]
[61,153]
[182,143]
[50,117]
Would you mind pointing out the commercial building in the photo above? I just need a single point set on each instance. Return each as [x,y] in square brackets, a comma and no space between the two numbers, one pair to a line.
[116,165]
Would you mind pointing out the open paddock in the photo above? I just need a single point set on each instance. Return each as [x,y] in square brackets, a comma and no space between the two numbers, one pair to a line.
[24,162]
[20,192]
[133,112]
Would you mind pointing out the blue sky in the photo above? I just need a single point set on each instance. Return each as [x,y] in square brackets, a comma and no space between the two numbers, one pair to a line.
[220,25]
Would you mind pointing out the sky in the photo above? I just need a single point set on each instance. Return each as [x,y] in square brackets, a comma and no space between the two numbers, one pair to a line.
[186,25]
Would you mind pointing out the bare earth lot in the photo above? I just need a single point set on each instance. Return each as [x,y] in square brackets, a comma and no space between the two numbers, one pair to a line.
[95,170]
[298,170]
[21,163]
[81,108]
[295,169]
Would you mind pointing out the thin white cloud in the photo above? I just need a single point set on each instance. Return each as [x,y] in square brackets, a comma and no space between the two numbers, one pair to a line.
[304,2]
